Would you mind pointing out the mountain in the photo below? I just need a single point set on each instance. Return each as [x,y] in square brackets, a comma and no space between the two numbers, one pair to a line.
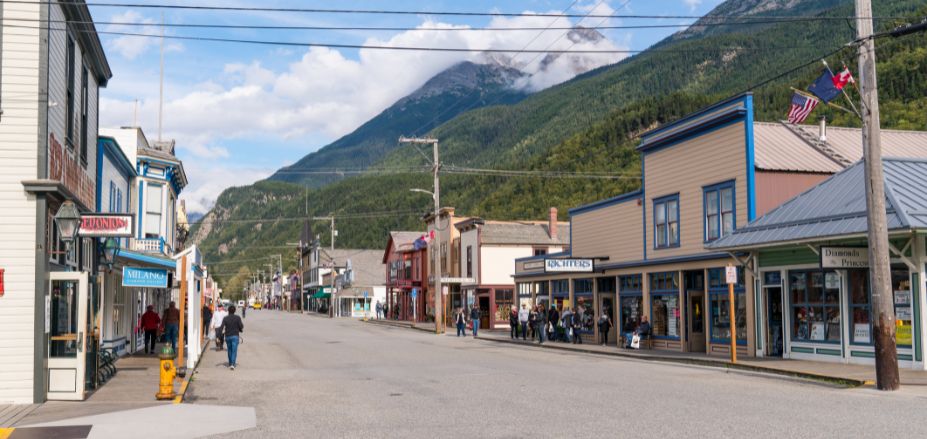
[588,124]
[464,86]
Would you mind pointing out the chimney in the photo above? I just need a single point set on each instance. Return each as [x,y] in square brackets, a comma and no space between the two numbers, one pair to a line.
[552,223]
[823,131]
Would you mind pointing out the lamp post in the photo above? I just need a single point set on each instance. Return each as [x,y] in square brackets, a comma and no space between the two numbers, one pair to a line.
[67,219]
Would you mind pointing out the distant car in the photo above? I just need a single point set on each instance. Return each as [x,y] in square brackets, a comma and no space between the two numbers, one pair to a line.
[256,305]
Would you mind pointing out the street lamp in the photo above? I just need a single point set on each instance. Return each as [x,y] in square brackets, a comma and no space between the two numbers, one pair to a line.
[423,191]
[109,251]
[68,221]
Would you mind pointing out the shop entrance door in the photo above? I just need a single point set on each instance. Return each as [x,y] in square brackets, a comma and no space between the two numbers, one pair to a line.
[696,319]
[67,335]
[774,308]
[484,312]
[607,306]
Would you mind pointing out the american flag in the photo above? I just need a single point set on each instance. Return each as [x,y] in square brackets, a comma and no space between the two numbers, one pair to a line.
[801,108]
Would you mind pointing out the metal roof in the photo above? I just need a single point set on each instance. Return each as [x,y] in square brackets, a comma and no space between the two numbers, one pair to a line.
[777,148]
[895,143]
[499,232]
[404,241]
[837,207]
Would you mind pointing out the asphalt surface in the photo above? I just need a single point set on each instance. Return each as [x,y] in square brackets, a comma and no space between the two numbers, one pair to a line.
[309,376]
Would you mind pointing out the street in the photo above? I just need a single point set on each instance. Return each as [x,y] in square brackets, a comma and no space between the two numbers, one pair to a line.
[309,376]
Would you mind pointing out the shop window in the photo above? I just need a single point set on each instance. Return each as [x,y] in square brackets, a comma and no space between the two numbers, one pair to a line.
[860,307]
[632,308]
[560,287]
[605,284]
[719,210]
[815,305]
[666,222]
[585,312]
[720,307]
[504,302]
[901,292]
[582,286]
[664,304]
[542,289]
[630,283]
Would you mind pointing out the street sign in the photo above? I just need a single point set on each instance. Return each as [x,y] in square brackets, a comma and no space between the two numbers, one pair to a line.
[731,273]
[414,292]
[107,225]
[144,277]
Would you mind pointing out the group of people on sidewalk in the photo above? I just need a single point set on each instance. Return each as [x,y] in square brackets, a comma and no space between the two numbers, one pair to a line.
[224,327]
[165,327]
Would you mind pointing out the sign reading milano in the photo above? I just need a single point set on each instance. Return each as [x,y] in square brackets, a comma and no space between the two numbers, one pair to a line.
[144,277]
[568,266]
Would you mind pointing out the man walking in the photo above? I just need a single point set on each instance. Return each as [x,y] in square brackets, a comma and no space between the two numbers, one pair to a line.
[523,315]
[216,324]
[207,317]
[379,309]
[150,323]
[232,327]
[171,321]
[475,319]
[513,323]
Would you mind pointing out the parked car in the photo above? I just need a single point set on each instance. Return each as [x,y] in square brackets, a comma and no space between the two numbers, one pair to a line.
[256,305]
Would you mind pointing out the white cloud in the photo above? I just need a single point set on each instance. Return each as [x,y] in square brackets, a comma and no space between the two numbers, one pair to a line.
[692,4]
[209,178]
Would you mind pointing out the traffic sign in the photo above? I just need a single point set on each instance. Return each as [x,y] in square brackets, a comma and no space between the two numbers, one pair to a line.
[731,273]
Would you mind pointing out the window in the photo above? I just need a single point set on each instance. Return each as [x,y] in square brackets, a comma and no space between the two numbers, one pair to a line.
[504,302]
[153,211]
[540,251]
[84,103]
[860,307]
[815,305]
[407,269]
[666,222]
[469,261]
[632,308]
[664,304]
[719,210]
[560,287]
[585,313]
[631,283]
[444,258]
[901,292]
[605,285]
[720,307]
[70,92]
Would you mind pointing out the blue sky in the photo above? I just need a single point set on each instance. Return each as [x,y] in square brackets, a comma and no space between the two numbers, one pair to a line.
[239,112]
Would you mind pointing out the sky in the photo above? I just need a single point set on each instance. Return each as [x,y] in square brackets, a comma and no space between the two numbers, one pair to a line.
[241,111]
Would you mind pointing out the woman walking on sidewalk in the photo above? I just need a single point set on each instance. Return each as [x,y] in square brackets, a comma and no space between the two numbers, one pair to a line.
[232,327]
[461,320]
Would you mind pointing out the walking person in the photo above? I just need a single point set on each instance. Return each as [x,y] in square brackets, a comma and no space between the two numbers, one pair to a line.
[170,320]
[553,319]
[232,327]
[475,319]
[566,321]
[206,313]
[513,323]
[461,320]
[523,315]
[379,309]
[605,324]
[541,324]
[244,310]
[150,323]
[216,324]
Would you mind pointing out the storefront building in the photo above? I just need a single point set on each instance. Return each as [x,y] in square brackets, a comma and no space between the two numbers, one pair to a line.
[811,254]
[489,250]
[405,264]
[444,239]
[704,176]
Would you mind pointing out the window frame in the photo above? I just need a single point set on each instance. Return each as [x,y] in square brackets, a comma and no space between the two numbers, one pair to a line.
[662,204]
[808,304]
[718,188]
[160,212]
[673,278]
[84,111]
[70,59]
[469,261]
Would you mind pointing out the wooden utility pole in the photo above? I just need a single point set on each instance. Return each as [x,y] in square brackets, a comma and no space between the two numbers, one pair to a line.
[883,321]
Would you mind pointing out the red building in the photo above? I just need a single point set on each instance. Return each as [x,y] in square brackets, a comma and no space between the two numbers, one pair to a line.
[405,277]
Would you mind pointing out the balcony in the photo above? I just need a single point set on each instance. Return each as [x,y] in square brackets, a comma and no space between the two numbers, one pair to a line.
[151,245]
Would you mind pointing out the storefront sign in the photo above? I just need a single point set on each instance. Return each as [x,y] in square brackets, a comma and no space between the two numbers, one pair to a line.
[109,225]
[144,277]
[844,257]
[568,265]
[536,265]
[458,280]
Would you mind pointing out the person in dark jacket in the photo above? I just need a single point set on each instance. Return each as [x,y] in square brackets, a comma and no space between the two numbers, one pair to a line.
[513,323]
[232,327]
[150,323]
[207,317]
[554,318]
[605,324]
[475,319]
[461,320]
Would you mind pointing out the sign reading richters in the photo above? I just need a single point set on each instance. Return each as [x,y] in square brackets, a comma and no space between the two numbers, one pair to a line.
[844,257]
[144,277]
[106,225]
[568,265]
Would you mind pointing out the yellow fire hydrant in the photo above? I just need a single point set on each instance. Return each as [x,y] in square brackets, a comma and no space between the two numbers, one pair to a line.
[167,372]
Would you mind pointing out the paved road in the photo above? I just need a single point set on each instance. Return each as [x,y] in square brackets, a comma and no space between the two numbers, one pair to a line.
[314,377]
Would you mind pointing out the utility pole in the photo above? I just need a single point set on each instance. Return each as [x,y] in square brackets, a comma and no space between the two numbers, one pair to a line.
[161,89]
[436,195]
[883,322]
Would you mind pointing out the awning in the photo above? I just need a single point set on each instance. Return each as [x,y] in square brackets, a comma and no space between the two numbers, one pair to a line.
[146,259]
[321,294]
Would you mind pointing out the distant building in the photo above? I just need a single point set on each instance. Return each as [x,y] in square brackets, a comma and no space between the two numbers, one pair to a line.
[405,267]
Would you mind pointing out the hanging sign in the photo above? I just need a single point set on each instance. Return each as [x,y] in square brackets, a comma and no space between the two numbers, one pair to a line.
[844,257]
[106,225]
[568,265]
[144,277]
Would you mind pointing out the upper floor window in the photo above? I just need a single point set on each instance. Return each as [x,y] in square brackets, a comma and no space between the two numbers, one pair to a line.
[153,211]
[719,210]
[84,109]
[538,251]
[666,222]
[469,261]
[70,56]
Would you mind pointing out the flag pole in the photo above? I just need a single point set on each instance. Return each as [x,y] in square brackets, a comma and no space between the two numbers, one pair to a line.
[805,94]
[842,90]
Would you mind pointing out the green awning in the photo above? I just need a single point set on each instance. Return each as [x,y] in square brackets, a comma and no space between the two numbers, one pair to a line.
[321,294]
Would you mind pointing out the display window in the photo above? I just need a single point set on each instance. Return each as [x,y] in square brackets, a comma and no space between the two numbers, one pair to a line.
[815,306]
[903,300]
[860,307]
[664,305]
[585,313]
[504,303]
[719,306]
[632,308]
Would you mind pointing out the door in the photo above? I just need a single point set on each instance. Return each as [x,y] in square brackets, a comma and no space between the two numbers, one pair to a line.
[484,312]
[67,335]
[607,305]
[774,308]
[696,319]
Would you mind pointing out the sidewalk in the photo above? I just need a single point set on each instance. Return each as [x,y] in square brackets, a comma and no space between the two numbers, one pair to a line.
[850,375]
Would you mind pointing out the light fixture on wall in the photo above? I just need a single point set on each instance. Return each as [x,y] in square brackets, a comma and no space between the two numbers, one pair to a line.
[67,219]
[109,251]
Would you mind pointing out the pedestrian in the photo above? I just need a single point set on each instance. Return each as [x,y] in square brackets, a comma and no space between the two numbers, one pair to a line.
[475,319]
[605,324]
[244,310]
[170,320]
[566,321]
[541,324]
[386,311]
[553,319]
[461,320]
[513,323]
[379,309]
[523,316]
[216,324]
[150,323]
[206,313]
[232,327]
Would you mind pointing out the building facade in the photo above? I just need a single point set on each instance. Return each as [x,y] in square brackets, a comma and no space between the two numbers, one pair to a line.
[405,266]
[444,239]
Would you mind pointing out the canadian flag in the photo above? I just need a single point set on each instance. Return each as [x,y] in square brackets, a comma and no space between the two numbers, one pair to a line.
[843,78]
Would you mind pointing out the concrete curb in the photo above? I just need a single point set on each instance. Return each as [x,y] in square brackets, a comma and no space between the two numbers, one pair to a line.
[186,381]
[841,381]
[395,324]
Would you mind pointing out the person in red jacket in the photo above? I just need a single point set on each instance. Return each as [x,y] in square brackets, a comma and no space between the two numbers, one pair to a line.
[150,324]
